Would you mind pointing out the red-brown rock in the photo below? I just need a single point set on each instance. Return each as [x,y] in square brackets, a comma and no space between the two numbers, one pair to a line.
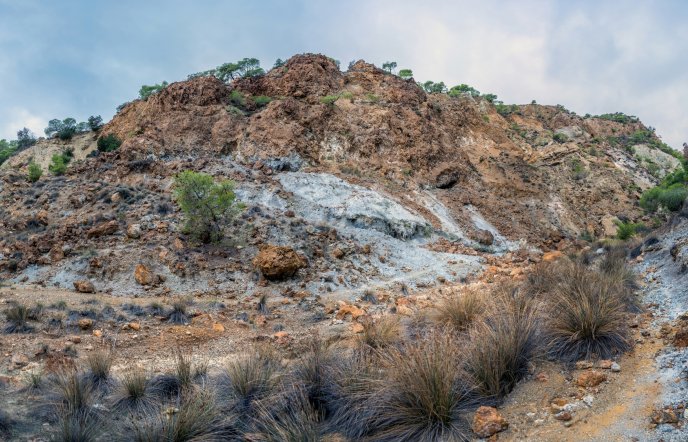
[487,421]
[278,262]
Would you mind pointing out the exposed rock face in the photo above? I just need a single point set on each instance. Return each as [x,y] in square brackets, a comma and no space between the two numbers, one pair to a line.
[83,286]
[277,262]
[487,421]
[591,378]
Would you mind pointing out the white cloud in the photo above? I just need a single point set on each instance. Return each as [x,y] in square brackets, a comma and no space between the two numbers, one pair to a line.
[17,119]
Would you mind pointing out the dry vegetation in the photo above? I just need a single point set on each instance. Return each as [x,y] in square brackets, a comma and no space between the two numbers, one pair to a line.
[401,381]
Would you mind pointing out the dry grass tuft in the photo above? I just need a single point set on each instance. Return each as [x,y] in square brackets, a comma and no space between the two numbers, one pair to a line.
[17,317]
[503,343]
[588,317]
[133,394]
[381,333]
[99,365]
[424,395]
[460,311]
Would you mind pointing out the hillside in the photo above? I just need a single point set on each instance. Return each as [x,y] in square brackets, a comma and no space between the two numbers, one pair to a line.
[369,206]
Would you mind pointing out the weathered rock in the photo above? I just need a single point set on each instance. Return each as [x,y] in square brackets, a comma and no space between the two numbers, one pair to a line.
[664,416]
[487,421]
[144,275]
[85,323]
[484,237]
[615,367]
[102,229]
[18,361]
[278,262]
[590,378]
[348,309]
[134,231]
[84,286]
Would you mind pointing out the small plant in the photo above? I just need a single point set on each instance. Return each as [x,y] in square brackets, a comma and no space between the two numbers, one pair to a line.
[405,74]
[626,230]
[329,100]
[262,306]
[108,143]
[146,91]
[237,98]
[346,95]
[589,320]
[133,393]
[178,314]
[262,100]
[34,380]
[459,312]
[249,381]
[17,317]
[382,333]
[155,308]
[57,166]
[560,137]
[425,394]
[35,172]
[208,206]
[99,364]
[503,344]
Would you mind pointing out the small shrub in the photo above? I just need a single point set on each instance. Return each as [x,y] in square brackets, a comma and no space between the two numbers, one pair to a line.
[95,122]
[381,333]
[460,311]
[133,393]
[79,426]
[248,382]
[146,91]
[587,319]
[329,100]
[178,313]
[34,380]
[262,100]
[560,138]
[626,230]
[346,95]
[503,344]
[290,420]
[17,317]
[237,98]
[108,143]
[69,391]
[35,172]
[99,364]
[424,395]
[59,161]
[208,206]
[262,306]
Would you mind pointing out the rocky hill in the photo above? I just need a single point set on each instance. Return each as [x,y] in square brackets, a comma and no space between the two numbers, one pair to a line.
[361,172]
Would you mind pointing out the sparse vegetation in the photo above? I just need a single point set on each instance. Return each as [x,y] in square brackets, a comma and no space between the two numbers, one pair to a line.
[329,99]
[65,129]
[17,317]
[208,206]
[560,137]
[147,91]
[626,230]
[460,311]
[58,163]
[108,143]
[34,172]
[406,74]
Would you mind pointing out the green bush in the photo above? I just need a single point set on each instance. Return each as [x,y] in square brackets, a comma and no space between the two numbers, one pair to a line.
[95,122]
[208,206]
[58,165]
[109,143]
[627,230]
[237,98]
[25,138]
[463,89]
[560,138]
[329,99]
[68,127]
[146,91]
[7,149]
[406,74]
[670,197]
[262,100]
[35,172]
[619,117]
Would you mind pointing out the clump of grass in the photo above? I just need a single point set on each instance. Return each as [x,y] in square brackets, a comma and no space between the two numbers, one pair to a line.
[6,424]
[35,312]
[99,365]
[293,419]
[369,296]
[178,314]
[133,394]
[312,374]
[588,319]
[248,381]
[503,343]
[34,380]
[262,306]
[615,270]
[180,381]
[382,333]
[155,308]
[17,317]
[424,396]
[460,311]
[196,418]
[80,426]
[543,278]
[59,305]
[72,392]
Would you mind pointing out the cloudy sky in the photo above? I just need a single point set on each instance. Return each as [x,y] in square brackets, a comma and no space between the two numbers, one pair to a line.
[78,58]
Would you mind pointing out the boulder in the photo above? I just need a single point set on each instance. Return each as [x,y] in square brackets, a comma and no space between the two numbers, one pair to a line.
[591,378]
[144,276]
[84,286]
[134,231]
[278,262]
[85,323]
[487,422]
[102,229]
[484,237]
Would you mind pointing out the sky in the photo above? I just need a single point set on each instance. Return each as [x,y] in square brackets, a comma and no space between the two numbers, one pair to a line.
[72,58]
